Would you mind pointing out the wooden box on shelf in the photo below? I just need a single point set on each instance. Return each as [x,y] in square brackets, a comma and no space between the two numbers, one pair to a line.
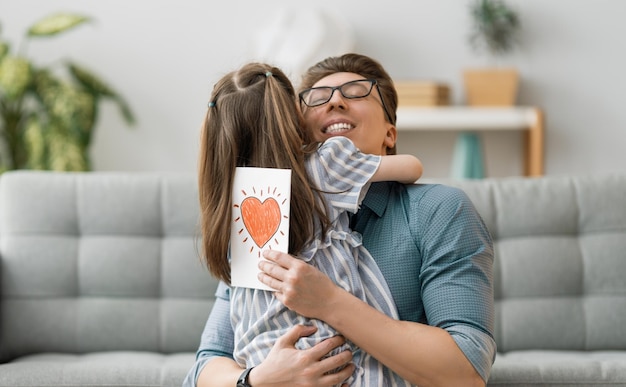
[422,93]
[491,86]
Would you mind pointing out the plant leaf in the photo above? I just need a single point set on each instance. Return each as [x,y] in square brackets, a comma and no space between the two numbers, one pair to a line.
[35,143]
[90,81]
[15,75]
[56,23]
[99,88]
[125,110]
[71,105]
[4,49]
[64,151]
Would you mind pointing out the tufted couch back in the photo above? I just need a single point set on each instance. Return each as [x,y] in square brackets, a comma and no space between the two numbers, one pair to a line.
[90,261]
[99,262]
[560,269]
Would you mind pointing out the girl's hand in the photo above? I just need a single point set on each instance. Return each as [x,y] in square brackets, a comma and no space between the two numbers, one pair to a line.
[299,286]
[287,366]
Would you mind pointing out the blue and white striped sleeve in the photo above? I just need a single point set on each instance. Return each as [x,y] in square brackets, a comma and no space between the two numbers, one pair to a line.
[344,172]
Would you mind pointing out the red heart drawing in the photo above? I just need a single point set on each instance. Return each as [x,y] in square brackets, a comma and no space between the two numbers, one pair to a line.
[261,219]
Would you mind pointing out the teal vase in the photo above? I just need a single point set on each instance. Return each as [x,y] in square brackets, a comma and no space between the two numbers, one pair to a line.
[467,162]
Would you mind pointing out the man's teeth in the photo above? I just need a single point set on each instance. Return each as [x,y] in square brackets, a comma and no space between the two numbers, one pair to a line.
[339,127]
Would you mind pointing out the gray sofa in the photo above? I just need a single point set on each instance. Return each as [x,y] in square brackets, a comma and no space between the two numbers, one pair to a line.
[101,285]
[560,278]
[100,280]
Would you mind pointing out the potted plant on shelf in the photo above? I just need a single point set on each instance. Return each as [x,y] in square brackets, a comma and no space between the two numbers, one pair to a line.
[47,113]
[495,31]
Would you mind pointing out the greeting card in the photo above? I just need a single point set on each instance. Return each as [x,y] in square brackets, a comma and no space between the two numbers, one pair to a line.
[260,220]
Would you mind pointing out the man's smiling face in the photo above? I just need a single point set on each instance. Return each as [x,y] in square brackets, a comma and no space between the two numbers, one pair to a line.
[360,119]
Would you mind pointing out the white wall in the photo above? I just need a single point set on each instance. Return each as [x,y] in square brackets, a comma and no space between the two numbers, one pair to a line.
[165,55]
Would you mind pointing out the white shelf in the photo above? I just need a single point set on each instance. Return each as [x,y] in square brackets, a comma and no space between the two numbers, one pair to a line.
[466,118]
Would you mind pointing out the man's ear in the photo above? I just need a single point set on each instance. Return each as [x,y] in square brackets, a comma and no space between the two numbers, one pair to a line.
[391,136]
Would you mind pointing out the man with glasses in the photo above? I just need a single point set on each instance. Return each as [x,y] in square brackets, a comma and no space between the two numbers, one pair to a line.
[361,88]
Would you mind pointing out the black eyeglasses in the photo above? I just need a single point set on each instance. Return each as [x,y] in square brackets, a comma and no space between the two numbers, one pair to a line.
[361,88]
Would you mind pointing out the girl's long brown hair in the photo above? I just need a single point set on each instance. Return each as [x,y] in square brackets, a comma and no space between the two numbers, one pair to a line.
[253,121]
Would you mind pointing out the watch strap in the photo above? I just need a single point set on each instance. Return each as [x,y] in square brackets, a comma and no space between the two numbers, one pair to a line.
[243,378]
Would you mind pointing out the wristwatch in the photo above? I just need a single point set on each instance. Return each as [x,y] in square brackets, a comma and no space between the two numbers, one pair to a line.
[243,379]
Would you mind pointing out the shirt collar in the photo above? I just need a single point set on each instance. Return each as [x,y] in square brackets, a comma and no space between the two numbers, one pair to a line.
[377,197]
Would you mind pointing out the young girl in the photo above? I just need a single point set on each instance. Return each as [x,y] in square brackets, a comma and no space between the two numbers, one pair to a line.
[253,120]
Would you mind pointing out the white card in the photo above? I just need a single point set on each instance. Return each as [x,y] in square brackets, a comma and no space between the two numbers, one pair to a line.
[260,221]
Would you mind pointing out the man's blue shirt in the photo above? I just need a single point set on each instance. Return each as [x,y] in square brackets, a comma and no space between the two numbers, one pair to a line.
[436,254]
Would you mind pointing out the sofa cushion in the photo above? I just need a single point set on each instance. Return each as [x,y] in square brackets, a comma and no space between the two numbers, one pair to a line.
[559,368]
[560,259]
[136,369]
[100,262]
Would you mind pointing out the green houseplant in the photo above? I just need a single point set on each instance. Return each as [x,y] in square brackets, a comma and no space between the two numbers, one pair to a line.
[495,27]
[47,113]
[495,31]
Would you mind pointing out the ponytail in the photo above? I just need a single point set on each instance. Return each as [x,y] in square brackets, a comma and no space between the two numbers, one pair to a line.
[252,120]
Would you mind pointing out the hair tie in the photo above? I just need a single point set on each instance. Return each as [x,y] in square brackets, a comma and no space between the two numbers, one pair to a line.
[268,74]
[212,104]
